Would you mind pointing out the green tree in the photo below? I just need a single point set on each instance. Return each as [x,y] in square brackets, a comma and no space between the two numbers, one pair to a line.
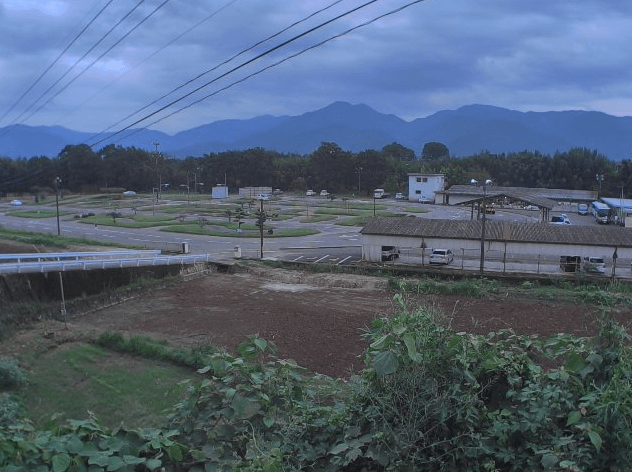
[434,150]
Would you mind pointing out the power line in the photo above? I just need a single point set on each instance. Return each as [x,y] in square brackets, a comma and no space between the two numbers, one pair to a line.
[77,62]
[243,51]
[100,57]
[56,60]
[314,46]
[234,69]
[199,23]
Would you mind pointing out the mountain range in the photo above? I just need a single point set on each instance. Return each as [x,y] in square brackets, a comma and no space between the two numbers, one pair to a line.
[466,131]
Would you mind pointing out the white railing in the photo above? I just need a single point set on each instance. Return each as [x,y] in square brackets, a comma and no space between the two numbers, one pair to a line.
[63,262]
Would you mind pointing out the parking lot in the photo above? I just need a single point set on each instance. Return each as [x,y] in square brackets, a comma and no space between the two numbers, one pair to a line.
[334,244]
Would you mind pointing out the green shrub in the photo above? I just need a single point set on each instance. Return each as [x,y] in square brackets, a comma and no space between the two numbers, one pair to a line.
[11,377]
[11,410]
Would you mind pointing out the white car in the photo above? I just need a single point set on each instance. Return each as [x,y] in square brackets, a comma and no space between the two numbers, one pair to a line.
[441,256]
[324,193]
[560,220]
[594,265]
[263,196]
[310,193]
[424,199]
[16,202]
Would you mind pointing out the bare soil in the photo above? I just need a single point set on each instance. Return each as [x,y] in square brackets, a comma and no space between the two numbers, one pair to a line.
[315,319]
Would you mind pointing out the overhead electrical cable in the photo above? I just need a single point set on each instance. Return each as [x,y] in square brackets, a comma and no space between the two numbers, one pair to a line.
[157,51]
[116,43]
[78,61]
[243,79]
[236,68]
[56,60]
[240,53]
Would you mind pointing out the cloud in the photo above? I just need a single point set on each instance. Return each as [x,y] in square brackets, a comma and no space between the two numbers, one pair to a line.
[534,55]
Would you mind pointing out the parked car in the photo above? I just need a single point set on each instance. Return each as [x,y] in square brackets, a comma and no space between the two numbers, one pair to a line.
[424,199]
[310,193]
[594,265]
[582,209]
[531,207]
[324,193]
[399,196]
[389,253]
[441,256]
[263,196]
[560,220]
[16,202]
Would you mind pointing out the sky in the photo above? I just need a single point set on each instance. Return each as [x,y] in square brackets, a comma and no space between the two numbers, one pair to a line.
[172,65]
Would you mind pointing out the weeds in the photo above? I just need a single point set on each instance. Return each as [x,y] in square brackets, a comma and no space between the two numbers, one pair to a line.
[11,377]
[149,348]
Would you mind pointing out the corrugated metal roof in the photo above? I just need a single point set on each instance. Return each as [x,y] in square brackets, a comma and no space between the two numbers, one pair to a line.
[543,233]
[552,193]
[513,196]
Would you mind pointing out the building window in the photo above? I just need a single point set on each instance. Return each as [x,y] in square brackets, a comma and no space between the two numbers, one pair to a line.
[418,179]
[425,179]
[417,192]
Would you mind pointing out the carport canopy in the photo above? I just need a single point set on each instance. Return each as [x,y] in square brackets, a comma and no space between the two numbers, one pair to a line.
[545,205]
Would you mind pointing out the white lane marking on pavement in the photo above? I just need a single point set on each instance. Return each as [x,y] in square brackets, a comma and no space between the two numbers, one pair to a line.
[346,258]
[324,257]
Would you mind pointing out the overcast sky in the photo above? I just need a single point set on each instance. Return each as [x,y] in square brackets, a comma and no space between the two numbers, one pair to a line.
[533,55]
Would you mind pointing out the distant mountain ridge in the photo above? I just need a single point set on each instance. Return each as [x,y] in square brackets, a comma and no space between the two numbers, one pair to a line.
[466,131]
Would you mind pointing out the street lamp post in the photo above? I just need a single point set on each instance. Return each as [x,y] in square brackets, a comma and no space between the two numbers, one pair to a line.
[599,178]
[359,172]
[56,184]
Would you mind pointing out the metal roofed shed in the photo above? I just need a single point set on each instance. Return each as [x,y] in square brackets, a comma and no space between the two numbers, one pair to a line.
[457,194]
[415,236]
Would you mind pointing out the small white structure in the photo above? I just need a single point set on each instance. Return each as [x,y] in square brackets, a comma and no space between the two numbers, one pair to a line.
[219,191]
[425,187]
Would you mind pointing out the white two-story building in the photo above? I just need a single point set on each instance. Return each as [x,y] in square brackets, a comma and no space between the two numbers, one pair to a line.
[424,187]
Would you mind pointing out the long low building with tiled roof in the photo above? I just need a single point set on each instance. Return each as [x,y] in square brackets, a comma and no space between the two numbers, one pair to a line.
[536,239]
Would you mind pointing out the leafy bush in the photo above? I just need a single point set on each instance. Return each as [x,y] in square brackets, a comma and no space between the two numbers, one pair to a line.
[429,399]
[11,376]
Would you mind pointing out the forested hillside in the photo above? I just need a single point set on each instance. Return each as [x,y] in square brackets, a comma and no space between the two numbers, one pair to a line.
[329,167]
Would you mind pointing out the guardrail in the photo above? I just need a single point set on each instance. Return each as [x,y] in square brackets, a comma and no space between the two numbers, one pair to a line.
[41,256]
[63,262]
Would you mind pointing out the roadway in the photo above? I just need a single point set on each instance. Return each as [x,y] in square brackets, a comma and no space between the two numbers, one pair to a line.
[334,244]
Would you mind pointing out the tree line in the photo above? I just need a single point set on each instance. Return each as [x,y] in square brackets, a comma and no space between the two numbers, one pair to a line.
[81,169]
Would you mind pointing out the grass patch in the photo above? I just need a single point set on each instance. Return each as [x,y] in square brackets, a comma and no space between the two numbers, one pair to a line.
[32,214]
[78,380]
[247,233]
[55,241]
[412,209]
[319,218]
